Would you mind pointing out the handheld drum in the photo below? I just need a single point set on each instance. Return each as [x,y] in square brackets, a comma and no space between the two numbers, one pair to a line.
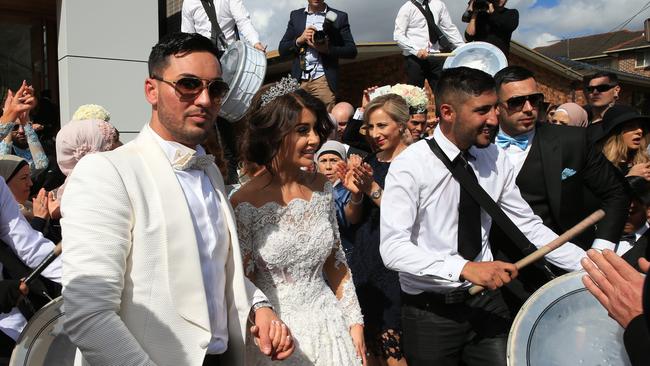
[244,68]
[43,341]
[477,55]
[562,324]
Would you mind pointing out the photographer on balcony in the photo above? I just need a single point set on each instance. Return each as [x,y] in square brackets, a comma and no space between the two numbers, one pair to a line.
[490,21]
[317,36]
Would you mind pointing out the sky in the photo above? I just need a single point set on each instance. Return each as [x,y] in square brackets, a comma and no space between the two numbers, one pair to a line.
[541,22]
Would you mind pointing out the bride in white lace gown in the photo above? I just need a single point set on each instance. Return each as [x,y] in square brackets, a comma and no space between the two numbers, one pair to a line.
[288,234]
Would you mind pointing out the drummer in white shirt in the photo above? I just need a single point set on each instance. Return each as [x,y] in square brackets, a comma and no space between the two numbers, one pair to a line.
[413,37]
[420,232]
[29,246]
[233,19]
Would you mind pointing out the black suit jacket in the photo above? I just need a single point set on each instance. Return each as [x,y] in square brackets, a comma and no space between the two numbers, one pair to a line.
[341,44]
[565,147]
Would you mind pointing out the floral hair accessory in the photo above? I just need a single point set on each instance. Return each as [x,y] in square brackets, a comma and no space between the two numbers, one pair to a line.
[415,97]
[91,111]
[285,86]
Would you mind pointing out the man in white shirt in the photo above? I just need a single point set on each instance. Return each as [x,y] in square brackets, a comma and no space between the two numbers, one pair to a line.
[153,272]
[413,36]
[425,234]
[30,247]
[233,18]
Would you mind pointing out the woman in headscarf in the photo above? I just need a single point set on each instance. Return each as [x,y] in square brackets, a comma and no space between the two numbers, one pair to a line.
[80,138]
[570,114]
[17,174]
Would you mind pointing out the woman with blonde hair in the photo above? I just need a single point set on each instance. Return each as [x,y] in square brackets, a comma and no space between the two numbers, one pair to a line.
[624,140]
[378,289]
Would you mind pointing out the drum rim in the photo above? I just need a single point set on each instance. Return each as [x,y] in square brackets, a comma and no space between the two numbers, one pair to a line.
[515,348]
[27,348]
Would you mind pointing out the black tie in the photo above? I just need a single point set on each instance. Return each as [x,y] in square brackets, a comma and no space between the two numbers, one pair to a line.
[469,215]
[435,34]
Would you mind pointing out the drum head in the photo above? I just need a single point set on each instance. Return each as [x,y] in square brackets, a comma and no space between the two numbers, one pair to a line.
[43,341]
[563,324]
[244,69]
[478,55]
[231,61]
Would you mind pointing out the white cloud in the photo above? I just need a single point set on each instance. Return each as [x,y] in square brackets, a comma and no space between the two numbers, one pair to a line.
[542,40]
[373,20]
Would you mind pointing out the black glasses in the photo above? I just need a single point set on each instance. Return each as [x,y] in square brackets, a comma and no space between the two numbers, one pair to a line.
[189,87]
[517,103]
[601,88]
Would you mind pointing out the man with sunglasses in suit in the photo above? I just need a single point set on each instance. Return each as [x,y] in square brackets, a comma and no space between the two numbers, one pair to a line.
[153,272]
[555,167]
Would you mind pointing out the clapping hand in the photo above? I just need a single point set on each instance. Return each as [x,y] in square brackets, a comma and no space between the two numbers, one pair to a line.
[39,205]
[19,103]
[271,335]
[356,176]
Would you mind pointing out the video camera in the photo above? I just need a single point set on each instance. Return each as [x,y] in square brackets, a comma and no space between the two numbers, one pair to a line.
[321,36]
[484,5]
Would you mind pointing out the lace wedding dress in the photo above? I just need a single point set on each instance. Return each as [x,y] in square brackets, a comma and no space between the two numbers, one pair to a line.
[285,249]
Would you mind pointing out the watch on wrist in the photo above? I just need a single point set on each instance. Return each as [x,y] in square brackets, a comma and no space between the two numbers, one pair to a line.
[376,194]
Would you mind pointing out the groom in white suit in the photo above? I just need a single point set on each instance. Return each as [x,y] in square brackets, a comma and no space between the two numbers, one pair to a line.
[152,268]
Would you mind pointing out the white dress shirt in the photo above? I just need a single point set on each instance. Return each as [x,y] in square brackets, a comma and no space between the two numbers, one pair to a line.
[517,158]
[211,236]
[231,15]
[625,245]
[419,216]
[412,33]
[29,245]
[313,65]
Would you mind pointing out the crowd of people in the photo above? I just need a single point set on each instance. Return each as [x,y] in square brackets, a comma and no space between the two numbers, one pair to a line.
[324,234]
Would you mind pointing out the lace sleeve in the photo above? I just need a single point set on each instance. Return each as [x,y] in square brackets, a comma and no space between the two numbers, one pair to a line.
[245,241]
[348,295]
[38,155]
[6,128]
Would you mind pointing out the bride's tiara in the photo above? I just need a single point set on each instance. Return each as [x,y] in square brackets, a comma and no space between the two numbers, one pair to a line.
[285,86]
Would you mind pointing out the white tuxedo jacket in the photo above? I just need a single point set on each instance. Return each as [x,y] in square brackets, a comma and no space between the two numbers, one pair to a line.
[133,288]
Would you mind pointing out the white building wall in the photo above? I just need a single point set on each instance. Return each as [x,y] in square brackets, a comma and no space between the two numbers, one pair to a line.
[103,49]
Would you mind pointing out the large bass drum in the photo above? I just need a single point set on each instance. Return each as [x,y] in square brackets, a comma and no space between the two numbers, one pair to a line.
[562,324]
[43,341]
[244,69]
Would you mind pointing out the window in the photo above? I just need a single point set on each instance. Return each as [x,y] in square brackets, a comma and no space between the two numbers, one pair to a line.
[643,59]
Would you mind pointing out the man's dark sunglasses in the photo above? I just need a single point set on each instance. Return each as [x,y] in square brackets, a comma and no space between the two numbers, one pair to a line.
[189,87]
[601,88]
[517,103]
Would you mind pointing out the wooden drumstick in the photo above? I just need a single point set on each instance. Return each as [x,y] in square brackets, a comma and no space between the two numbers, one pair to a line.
[46,262]
[439,54]
[556,243]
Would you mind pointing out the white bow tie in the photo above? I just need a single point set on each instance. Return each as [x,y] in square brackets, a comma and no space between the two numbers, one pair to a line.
[191,161]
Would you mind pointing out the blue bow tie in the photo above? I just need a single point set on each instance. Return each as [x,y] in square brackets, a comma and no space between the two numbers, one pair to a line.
[503,141]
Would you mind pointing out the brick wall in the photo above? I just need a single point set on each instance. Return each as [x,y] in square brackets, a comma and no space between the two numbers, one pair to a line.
[356,76]
[627,63]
